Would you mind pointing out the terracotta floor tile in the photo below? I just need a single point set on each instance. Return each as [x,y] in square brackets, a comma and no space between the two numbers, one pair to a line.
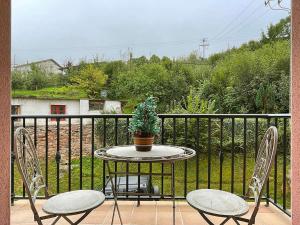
[149,213]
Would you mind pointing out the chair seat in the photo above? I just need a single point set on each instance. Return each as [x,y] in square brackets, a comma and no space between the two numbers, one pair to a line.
[73,202]
[217,203]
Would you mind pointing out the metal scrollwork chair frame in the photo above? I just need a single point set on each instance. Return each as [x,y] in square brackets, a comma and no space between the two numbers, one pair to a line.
[263,166]
[33,180]
[265,158]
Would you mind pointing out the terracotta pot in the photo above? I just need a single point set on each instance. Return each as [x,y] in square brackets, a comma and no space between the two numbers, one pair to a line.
[143,144]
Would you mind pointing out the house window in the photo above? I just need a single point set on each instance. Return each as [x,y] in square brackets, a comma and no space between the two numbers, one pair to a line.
[58,110]
[96,105]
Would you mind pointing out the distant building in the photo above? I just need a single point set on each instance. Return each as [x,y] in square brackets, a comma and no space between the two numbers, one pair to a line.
[48,65]
[34,106]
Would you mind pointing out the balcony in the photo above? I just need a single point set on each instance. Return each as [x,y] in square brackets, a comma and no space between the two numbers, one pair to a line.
[226,147]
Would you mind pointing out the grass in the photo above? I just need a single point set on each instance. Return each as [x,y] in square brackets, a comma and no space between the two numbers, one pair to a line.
[66,92]
[179,178]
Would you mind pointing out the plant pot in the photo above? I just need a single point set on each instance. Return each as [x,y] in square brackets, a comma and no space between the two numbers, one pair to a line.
[143,144]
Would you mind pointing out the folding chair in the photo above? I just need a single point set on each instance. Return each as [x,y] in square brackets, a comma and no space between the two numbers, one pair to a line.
[230,206]
[59,206]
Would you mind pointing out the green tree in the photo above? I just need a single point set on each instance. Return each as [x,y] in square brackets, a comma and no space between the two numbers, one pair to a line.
[18,80]
[36,78]
[279,31]
[90,79]
[265,99]
[154,59]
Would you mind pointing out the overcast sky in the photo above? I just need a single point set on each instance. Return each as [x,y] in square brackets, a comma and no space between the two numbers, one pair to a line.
[83,29]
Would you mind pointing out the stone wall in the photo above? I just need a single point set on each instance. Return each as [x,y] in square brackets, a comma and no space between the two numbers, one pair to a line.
[64,140]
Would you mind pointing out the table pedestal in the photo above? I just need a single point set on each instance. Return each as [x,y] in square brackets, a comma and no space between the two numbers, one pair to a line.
[115,192]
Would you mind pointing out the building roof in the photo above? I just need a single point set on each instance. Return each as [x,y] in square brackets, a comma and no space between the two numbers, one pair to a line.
[38,62]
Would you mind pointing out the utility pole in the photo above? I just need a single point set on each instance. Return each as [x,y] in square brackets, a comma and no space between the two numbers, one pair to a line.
[130,57]
[204,44]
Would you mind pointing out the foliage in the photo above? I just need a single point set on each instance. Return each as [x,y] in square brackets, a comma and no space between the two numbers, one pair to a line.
[65,92]
[36,78]
[193,104]
[251,81]
[90,79]
[279,31]
[152,79]
[145,121]
[114,135]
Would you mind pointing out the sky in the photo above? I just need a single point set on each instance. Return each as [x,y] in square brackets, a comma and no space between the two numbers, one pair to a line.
[108,29]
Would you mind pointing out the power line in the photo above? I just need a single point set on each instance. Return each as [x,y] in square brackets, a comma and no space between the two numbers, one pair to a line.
[242,22]
[240,28]
[234,19]
[258,18]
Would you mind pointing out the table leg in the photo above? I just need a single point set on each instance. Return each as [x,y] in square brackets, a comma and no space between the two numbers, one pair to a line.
[173,190]
[114,191]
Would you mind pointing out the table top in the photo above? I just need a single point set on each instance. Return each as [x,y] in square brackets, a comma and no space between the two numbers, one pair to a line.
[158,153]
[217,202]
[73,202]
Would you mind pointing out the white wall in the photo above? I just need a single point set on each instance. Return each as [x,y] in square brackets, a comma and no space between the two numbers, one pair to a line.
[84,107]
[43,107]
[31,106]
[48,66]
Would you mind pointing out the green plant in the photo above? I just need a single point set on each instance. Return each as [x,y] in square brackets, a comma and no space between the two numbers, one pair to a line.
[145,121]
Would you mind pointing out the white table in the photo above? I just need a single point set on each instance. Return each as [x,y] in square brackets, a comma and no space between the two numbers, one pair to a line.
[128,154]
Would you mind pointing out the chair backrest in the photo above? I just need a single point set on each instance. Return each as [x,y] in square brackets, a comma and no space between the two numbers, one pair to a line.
[263,165]
[28,164]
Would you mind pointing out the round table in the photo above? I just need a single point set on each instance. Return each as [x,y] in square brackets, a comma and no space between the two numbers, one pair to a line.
[159,153]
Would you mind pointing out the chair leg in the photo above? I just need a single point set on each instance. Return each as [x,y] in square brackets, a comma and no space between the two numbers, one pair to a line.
[56,220]
[79,220]
[225,221]
[205,218]
[211,223]
[113,215]
[248,221]
[39,219]
[236,221]
[68,220]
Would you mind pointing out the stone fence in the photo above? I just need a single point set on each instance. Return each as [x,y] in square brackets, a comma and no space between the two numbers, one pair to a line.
[64,147]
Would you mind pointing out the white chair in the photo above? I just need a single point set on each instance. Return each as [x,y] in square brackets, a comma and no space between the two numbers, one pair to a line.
[229,206]
[59,206]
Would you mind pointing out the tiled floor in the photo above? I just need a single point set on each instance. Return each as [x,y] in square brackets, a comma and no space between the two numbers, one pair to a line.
[149,213]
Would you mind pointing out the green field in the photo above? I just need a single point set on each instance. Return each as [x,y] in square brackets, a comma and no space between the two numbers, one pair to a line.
[66,92]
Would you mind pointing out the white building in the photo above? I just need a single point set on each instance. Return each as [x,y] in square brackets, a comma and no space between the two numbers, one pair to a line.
[34,106]
[48,65]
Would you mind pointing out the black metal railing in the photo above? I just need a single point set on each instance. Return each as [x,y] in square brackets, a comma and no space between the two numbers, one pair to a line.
[226,146]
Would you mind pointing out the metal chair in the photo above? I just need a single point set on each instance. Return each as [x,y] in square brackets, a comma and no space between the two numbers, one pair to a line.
[59,206]
[229,206]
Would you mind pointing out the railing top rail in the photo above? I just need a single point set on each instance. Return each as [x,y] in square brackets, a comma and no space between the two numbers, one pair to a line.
[227,115]
[160,115]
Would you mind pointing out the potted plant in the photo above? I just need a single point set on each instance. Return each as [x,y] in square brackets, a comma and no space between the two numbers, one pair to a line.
[145,124]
